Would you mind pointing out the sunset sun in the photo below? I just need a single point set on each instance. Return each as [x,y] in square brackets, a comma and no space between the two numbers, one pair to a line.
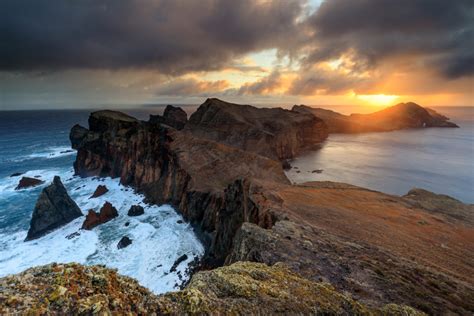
[378,99]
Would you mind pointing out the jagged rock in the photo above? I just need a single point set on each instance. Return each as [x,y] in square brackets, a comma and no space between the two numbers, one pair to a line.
[272,132]
[124,242]
[177,262]
[107,212]
[54,208]
[26,182]
[172,116]
[400,116]
[100,190]
[136,210]
[242,288]
[16,174]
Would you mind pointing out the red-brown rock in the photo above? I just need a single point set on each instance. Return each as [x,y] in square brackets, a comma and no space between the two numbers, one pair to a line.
[93,219]
[101,190]
[27,182]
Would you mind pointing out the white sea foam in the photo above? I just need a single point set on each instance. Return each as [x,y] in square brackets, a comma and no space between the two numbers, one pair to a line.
[157,237]
[47,153]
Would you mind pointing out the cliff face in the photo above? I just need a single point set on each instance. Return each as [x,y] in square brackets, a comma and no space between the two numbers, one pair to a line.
[400,116]
[169,166]
[379,248]
[271,132]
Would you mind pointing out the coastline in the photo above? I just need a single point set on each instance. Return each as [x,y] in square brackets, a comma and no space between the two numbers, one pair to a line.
[323,231]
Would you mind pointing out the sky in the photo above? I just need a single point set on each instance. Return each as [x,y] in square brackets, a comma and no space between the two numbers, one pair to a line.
[117,53]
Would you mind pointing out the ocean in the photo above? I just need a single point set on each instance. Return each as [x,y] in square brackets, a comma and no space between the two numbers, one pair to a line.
[36,143]
[440,160]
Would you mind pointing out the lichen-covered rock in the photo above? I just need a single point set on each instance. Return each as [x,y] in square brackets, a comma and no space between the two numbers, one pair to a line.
[242,288]
[54,208]
[72,289]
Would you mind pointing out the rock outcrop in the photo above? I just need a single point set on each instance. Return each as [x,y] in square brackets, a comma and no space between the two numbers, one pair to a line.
[54,208]
[100,190]
[379,248]
[107,212]
[172,116]
[400,116]
[26,182]
[136,210]
[272,132]
[242,288]
[124,242]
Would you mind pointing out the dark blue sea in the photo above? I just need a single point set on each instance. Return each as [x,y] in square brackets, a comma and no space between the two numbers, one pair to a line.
[36,144]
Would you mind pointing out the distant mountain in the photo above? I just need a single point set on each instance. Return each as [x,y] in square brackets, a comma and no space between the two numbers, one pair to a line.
[400,116]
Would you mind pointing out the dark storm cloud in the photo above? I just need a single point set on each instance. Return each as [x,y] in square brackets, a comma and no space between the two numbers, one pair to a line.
[172,36]
[438,32]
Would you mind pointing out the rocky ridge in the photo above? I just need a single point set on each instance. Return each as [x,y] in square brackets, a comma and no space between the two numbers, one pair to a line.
[400,116]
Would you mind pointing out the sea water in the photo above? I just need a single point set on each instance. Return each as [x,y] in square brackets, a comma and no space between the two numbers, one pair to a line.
[36,143]
[436,159]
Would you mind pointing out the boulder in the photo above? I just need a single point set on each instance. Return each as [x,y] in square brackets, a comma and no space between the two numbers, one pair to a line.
[16,174]
[124,242]
[54,208]
[26,182]
[100,190]
[106,213]
[136,210]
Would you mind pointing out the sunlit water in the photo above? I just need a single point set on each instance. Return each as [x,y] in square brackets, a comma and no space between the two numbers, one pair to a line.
[437,159]
[37,143]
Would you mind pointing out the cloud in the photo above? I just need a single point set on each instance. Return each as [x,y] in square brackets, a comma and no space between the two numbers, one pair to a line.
[265,85]
[171,36]
[192,87]
[439,33]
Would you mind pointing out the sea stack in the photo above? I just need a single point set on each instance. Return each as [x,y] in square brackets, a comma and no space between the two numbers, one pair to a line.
[54,208]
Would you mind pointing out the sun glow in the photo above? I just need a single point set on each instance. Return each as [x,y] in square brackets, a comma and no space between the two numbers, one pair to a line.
[378,99]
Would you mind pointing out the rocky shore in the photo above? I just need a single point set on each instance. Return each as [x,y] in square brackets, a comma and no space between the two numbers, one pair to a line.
[275,247]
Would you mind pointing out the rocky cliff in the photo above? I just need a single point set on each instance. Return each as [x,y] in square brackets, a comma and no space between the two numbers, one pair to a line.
[400,116]
[272,132]
[379,248]
[54,208]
